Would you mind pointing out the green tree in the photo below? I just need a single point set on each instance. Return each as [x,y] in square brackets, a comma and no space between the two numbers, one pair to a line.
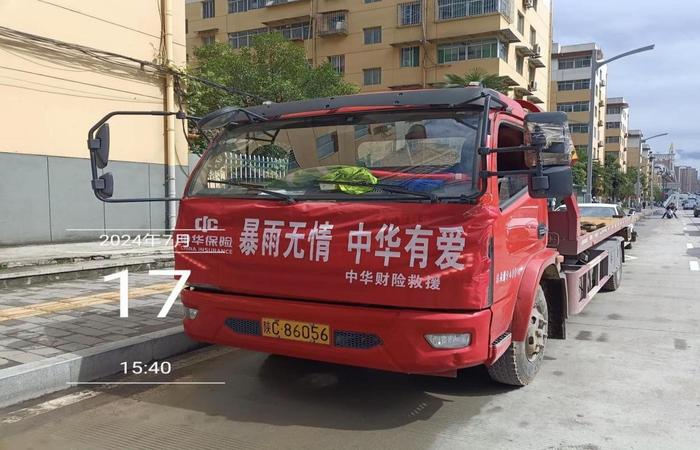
[580,170]
[479,75]
[273,69]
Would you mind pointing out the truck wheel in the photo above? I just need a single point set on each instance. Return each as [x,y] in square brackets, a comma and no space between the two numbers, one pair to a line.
[521,362]
[614,282]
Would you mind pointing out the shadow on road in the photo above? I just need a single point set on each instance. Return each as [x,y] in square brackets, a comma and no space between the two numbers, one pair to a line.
[278,390]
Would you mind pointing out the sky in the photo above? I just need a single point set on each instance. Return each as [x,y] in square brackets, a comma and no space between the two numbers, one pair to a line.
[662,86]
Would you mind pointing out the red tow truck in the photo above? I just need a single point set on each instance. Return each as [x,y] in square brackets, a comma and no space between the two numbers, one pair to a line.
[409,231]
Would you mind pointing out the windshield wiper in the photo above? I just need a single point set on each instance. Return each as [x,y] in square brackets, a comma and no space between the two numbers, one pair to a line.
[256,187]
[387,188]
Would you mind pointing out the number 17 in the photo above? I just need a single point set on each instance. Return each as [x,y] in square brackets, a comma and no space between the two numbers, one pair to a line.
[123,278]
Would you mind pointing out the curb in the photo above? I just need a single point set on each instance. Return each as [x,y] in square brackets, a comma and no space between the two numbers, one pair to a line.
[32,380]
[65,272]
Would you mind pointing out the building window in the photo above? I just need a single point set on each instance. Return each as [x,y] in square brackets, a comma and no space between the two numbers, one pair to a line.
[334,22]
[612,125]
[533,36]
[410,14]
[372,76]
[208,39]
[238,6]
[187,26]
[372,1]
[410,57]
[612,139]
[295,31]
[614,110]
[460,51]
[573,107]
[574,63]
[453,9]
[578,128]
[373,35]
[326,145]
[574,85]
[208,9]
[519,63]
[521,23]
[361,131]
[241,39]
[337,62]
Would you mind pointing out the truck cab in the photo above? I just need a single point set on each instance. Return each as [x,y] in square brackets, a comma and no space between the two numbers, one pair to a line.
[402,231]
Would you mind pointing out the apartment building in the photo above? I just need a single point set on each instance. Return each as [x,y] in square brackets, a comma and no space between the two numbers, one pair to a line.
[570,92]
[616,130]
[687,178]
[53,91]
[395,44]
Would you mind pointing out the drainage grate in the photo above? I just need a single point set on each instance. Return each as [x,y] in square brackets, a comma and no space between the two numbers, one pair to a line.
[353,339]
[244,326]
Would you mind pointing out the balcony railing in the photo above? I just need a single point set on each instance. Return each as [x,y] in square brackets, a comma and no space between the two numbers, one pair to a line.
[335,22]
[457,9]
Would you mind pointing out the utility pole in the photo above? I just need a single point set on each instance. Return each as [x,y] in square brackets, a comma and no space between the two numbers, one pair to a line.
[595,65]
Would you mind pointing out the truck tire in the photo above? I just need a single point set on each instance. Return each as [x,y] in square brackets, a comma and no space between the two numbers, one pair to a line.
[614,282]
[521,362]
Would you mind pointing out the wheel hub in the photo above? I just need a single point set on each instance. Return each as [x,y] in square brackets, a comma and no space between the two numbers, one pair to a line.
[536,333]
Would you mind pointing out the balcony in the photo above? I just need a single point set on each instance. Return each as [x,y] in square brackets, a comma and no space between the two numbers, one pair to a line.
[451,9]
[333,23]
[536,62]
[524,50]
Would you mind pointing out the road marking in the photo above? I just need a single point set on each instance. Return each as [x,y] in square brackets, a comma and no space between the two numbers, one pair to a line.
[80,302]
[694,266]
[631,258]
[689,246]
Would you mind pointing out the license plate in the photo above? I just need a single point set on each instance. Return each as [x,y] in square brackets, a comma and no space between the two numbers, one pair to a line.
[297,331]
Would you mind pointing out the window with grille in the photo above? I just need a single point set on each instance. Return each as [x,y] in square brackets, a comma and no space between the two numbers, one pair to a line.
[242,39]
[410,57]
[574,63]
[612,139]
[612,125]
[208,9]
[460,51]
[578,127]
[238,6]
[295,31]
[573,106]
[337,62]
[574,85]
[373,35]
[453,9]
[326,145]
[614,110]
[372,76]
[410,13]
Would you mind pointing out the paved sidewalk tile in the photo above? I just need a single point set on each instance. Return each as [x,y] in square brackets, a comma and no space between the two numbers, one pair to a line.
[39,322]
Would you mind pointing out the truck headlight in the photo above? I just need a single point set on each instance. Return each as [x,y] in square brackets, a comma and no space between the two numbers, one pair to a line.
[191,313]
[449,340]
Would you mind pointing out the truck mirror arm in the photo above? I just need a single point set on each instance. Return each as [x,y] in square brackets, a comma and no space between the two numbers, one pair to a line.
[102,186]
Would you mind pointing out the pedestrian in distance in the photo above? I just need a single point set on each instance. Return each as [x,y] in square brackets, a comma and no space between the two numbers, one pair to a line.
[670,211]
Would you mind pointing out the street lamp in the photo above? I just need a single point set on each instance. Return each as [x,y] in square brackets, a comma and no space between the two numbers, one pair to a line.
[595,65]
[638,186]
[651,177]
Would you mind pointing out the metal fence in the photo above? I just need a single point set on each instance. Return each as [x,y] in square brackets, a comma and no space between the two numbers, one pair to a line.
[452,9]
[249,168]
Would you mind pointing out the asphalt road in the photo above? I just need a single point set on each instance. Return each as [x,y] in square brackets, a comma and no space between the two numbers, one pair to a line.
[627,377]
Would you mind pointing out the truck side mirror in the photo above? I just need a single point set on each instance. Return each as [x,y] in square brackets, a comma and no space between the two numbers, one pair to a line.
[549,131]
[557,181]
[100,146]
[104,186]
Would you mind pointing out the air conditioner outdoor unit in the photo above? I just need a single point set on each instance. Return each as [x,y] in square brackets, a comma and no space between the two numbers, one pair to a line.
[532,86]
[340,25]
[537,50]
[601,103]
[529,3]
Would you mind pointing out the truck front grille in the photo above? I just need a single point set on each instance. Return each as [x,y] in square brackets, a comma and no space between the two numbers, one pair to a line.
[354,339]
[244,326]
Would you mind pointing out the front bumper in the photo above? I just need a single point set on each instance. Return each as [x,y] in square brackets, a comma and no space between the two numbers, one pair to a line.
[393,339]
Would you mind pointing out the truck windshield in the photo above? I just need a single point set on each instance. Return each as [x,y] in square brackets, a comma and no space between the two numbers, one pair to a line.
[371,156]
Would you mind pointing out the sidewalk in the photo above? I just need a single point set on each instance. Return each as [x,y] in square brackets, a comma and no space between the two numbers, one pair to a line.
[31,264]
[58,333]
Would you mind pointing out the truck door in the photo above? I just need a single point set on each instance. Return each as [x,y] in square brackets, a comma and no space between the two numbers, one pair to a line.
[519,232]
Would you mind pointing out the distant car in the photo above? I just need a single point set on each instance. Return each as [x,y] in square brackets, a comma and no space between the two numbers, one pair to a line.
[691,203]
[696,211]
[605,210]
